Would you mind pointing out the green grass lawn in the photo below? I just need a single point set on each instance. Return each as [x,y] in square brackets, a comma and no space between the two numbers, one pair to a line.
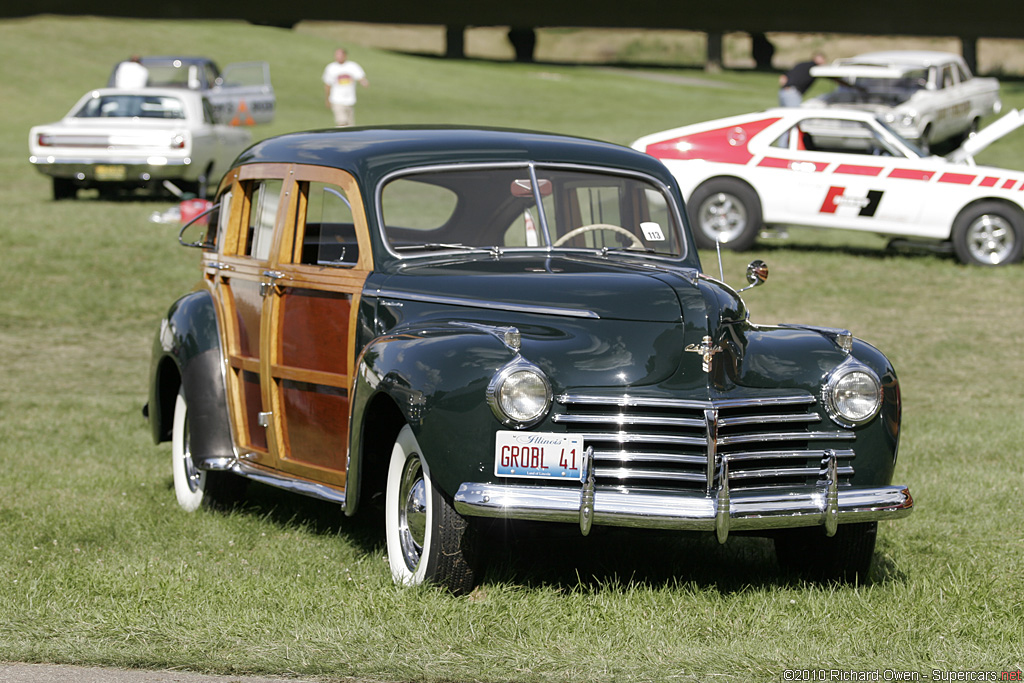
[99,566]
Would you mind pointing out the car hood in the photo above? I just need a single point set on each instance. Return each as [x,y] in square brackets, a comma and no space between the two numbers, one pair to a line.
[974,144]
[574,286]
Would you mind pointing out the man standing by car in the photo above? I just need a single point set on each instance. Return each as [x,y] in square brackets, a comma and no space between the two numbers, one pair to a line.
[131,74]
[798,80]
[340,78]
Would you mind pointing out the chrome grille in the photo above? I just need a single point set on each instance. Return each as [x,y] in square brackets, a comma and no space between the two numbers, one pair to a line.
[680,444]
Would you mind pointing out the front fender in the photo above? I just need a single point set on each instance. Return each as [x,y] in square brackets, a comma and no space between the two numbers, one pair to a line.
[187,353]
[437,380]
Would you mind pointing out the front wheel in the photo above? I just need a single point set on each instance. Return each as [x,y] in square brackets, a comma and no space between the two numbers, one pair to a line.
[727,211]
[989,234]
[844,558]
[427,540]
[192,486]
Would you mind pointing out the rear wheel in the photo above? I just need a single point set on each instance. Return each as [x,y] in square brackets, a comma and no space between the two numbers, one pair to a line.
[194,487]
[844,558]
[64,188]
[427,540]
[989,234]
[727,211]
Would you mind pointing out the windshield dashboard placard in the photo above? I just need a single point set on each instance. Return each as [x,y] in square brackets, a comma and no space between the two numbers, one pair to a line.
[538,455]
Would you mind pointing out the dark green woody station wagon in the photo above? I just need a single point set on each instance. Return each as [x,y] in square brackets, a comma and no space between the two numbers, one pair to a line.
[482,323]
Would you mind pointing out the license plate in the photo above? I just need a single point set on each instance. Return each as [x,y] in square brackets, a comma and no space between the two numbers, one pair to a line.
[105,172]
[538,455]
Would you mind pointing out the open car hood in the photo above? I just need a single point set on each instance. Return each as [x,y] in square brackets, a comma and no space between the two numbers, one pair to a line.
[860,71]
[1010,122]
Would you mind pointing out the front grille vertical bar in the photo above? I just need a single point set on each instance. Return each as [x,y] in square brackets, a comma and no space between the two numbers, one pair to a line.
[711,428]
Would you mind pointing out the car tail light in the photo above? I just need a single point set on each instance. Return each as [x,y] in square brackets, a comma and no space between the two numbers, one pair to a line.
[179,140]
[44,140]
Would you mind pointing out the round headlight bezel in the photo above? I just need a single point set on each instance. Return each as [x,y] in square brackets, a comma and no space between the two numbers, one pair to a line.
[849,383]
[515,410]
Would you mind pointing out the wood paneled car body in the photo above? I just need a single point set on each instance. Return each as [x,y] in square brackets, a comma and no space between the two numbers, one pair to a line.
[483,323]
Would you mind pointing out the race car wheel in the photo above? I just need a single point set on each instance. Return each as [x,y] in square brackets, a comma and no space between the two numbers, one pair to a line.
[427,540]
[989,234]
[843,558]
[727,211]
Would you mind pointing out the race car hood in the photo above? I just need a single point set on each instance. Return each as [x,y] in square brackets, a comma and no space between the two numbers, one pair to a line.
[986,136]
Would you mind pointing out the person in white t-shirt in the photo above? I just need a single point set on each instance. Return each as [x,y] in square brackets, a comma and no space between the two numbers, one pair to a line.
[340,78]
[131,74]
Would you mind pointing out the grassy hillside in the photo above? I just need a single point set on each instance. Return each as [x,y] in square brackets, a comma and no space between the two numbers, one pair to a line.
[100,567]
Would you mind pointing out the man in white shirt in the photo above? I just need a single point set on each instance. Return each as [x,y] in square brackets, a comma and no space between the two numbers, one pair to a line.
[340,78]
[131,74]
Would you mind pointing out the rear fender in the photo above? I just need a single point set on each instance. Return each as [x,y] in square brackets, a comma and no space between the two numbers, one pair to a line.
[187,352]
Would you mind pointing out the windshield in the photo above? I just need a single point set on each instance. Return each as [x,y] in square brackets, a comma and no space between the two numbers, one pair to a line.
[497,209]
[129,106]
[905,142]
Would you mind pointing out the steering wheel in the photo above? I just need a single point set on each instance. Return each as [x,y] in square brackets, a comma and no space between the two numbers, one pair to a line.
[635,243]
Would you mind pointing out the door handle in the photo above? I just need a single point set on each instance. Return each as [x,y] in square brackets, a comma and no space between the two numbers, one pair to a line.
[273,276]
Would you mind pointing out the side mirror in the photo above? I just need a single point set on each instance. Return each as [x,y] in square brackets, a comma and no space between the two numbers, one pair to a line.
[757,274]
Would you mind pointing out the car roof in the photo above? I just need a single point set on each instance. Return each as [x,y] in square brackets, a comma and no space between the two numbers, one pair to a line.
[162,91]
[370,153]
[903,57]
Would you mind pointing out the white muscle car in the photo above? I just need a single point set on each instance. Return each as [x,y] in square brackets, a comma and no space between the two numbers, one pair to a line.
[927,97]
[118,139]
[241,94]
[834,168]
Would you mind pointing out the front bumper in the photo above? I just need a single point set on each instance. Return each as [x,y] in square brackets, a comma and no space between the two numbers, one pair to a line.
[114,169]
[720,511]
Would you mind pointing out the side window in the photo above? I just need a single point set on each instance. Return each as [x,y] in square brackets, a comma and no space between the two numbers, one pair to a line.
[329,237]
[266,194]
[947,77]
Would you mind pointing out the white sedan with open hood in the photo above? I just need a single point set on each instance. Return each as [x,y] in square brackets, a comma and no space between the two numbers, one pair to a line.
[927,97]
[117,140]
[833,168]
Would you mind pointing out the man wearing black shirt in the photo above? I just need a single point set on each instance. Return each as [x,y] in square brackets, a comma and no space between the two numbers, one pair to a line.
[795,82]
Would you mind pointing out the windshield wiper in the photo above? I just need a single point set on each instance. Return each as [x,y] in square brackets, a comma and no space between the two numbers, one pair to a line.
[440,246]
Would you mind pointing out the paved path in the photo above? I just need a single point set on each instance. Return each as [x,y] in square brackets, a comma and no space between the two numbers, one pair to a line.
[51,673]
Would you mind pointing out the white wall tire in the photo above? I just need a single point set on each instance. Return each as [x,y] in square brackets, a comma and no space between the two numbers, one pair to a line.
[427,540]
[189,483]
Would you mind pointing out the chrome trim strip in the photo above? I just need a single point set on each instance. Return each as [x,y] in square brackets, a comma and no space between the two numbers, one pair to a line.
[646,402]
[741,456]
[627,457]
[627,437]
[620,419]
[630,473]
[748,510]
[480,303]
[281,481]
[785,436]
[768,419]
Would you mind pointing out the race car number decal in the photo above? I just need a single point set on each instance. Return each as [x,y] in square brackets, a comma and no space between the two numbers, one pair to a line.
[837,198]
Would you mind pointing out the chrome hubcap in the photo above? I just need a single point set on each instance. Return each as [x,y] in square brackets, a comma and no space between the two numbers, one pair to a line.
[990,239]
[412,512]
[722,217]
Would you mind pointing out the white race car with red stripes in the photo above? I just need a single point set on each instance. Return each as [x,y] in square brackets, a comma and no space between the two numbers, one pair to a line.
[833,168]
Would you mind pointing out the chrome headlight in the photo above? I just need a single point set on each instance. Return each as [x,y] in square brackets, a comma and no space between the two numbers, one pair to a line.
[852,394]
[519,394]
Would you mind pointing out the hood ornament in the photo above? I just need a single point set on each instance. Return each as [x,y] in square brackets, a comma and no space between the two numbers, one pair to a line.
[707,349]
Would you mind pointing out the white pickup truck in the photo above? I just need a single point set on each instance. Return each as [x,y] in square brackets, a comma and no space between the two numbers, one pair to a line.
[927,97]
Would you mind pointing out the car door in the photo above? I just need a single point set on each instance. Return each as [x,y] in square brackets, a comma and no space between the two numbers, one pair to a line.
[841,173]
[243,94]
[239,278]
[310,331]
